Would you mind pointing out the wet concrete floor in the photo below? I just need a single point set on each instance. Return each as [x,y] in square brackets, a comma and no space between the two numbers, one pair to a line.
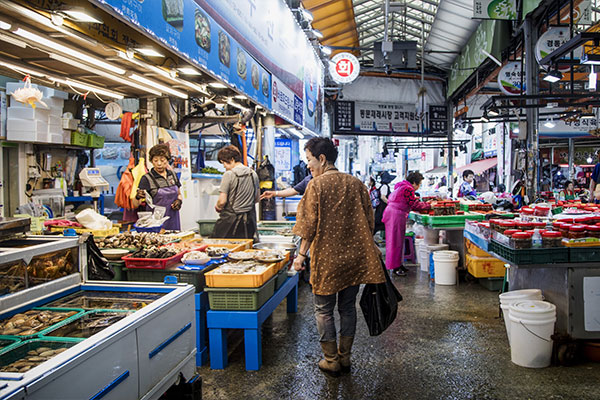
[446,343]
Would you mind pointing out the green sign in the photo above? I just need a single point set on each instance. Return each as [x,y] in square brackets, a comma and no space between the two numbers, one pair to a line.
[495,9]
[490,37]
[529,6]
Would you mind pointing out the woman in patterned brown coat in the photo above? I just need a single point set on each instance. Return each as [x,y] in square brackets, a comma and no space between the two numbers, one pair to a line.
[335,221]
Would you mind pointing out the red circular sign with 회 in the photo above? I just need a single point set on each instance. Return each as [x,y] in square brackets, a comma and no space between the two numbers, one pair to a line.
[344,68]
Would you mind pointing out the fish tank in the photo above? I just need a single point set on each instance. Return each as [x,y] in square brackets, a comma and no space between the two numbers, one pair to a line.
[88,324]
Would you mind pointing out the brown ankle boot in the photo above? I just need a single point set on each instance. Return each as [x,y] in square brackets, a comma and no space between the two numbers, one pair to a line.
[330,363]
[344,353]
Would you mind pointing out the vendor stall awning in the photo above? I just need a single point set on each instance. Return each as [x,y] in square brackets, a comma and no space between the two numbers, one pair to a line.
[479,166]
[438,170]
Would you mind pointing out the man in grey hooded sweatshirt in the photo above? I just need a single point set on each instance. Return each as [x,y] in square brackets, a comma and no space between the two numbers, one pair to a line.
[238,194]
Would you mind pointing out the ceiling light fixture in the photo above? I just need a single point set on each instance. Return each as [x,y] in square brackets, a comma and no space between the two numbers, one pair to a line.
[85,86]
[592,79]
[549,123]
[217,85]
[516,130]
[22,70]
[307,15]
[493,112]
[236,105]
[590,59]
[81,15]
[326,50]
[68,50]
[240,97]
[159,86]
[589,160]
[12,40]
[188,71]
[553,76]
[484,118]
[104,74]
[317,33]
[296,133]
[148,52]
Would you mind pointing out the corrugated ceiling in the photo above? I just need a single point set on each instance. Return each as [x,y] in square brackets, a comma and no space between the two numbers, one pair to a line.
[442,26]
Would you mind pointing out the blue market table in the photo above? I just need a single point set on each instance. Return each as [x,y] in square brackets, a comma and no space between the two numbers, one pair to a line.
[250,321]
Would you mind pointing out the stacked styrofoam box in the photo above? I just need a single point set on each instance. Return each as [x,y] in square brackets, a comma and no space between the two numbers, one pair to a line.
[42,124]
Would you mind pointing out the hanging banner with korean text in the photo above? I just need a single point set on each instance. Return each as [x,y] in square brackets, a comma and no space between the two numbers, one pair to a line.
[375,118]
[495,9]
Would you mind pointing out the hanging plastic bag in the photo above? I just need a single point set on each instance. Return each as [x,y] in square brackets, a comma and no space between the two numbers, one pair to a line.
[138,171]
[379,304]
[98,266]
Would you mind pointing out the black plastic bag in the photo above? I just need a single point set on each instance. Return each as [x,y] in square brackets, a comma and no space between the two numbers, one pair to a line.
[98,267]
[379,304]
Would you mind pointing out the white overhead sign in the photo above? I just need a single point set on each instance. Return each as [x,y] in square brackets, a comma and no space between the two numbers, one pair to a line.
[344,68]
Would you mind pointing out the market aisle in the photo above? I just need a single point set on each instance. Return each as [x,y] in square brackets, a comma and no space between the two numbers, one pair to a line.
[448,343]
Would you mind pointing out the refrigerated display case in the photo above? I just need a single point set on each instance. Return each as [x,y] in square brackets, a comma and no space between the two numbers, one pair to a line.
[117,340]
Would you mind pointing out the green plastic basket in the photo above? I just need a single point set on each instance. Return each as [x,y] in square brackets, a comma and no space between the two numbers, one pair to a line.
[195,278]
[557,210]
[584,254]
[55,330]
[205,227]
[240,299]
[79,138]
[18,351]
[281,277]
[7,342]
[530,256]
[95,141]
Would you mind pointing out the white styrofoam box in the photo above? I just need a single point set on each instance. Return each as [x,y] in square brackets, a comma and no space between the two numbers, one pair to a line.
[55,120]
[56,138]
[26,125]
[12,86]
[54,102]
[70,123]
[28,113]
[16,135]
[16,104]
[56,111]
[50,92]
[55,129]
[42,137]
[3,114]
[66,137]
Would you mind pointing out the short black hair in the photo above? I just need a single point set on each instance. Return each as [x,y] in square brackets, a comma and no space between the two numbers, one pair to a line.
[160,150]
[228,153]
[415,178]
[468,172]
[325,146]
[567,183]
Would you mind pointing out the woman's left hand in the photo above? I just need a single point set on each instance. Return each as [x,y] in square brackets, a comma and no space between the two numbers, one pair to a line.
[298,264]
[176,205]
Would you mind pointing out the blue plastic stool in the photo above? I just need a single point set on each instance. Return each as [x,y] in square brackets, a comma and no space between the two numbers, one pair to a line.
[431,267]
[409,250]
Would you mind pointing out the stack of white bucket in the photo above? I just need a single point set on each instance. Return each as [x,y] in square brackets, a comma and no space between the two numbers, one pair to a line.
[529,325]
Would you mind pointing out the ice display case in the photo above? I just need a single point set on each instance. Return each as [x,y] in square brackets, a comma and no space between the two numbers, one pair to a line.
[70,338]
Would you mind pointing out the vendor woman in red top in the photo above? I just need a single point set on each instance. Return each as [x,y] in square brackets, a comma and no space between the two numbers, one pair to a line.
[400,203]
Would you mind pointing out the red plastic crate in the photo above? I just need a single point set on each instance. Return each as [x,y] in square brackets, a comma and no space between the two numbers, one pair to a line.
[152,263]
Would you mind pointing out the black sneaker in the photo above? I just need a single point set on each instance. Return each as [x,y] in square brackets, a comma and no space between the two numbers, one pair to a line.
[401,271]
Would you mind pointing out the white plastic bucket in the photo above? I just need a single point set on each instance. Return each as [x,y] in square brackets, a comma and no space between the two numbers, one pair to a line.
[432,236]
[430,249]
[445,263]
[532,326]
[423,256]
[508,298]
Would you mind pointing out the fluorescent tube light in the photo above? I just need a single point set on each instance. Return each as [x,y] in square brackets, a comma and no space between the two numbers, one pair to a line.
[5,25]
[549,123]
[189,71]
[493,113]
[553,77]
[104,74]
[326,50]
[236,105]
[85,86]
[149,52]
[592,79]
[68,50]
[23,70]
[12,40]
[240,96]
[82,16]
[590,59]
[217,85]
[296,133]
[159,86]
[318,33]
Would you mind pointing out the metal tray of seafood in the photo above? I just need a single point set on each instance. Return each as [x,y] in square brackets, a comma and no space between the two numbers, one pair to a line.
[90,300]
[86,325]
[30,323]
[31,353]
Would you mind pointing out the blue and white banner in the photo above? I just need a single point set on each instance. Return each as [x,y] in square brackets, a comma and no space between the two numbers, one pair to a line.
[286,103]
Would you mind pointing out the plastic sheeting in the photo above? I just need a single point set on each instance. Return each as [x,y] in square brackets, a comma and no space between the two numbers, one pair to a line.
[392,90]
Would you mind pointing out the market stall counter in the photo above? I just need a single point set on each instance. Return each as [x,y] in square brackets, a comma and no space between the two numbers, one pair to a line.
[65,336]
[564,264]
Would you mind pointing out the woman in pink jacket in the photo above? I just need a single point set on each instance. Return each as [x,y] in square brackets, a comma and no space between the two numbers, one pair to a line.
[400,203]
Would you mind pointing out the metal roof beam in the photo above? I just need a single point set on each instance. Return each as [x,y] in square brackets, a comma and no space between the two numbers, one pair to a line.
[421,9]
[358,13]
